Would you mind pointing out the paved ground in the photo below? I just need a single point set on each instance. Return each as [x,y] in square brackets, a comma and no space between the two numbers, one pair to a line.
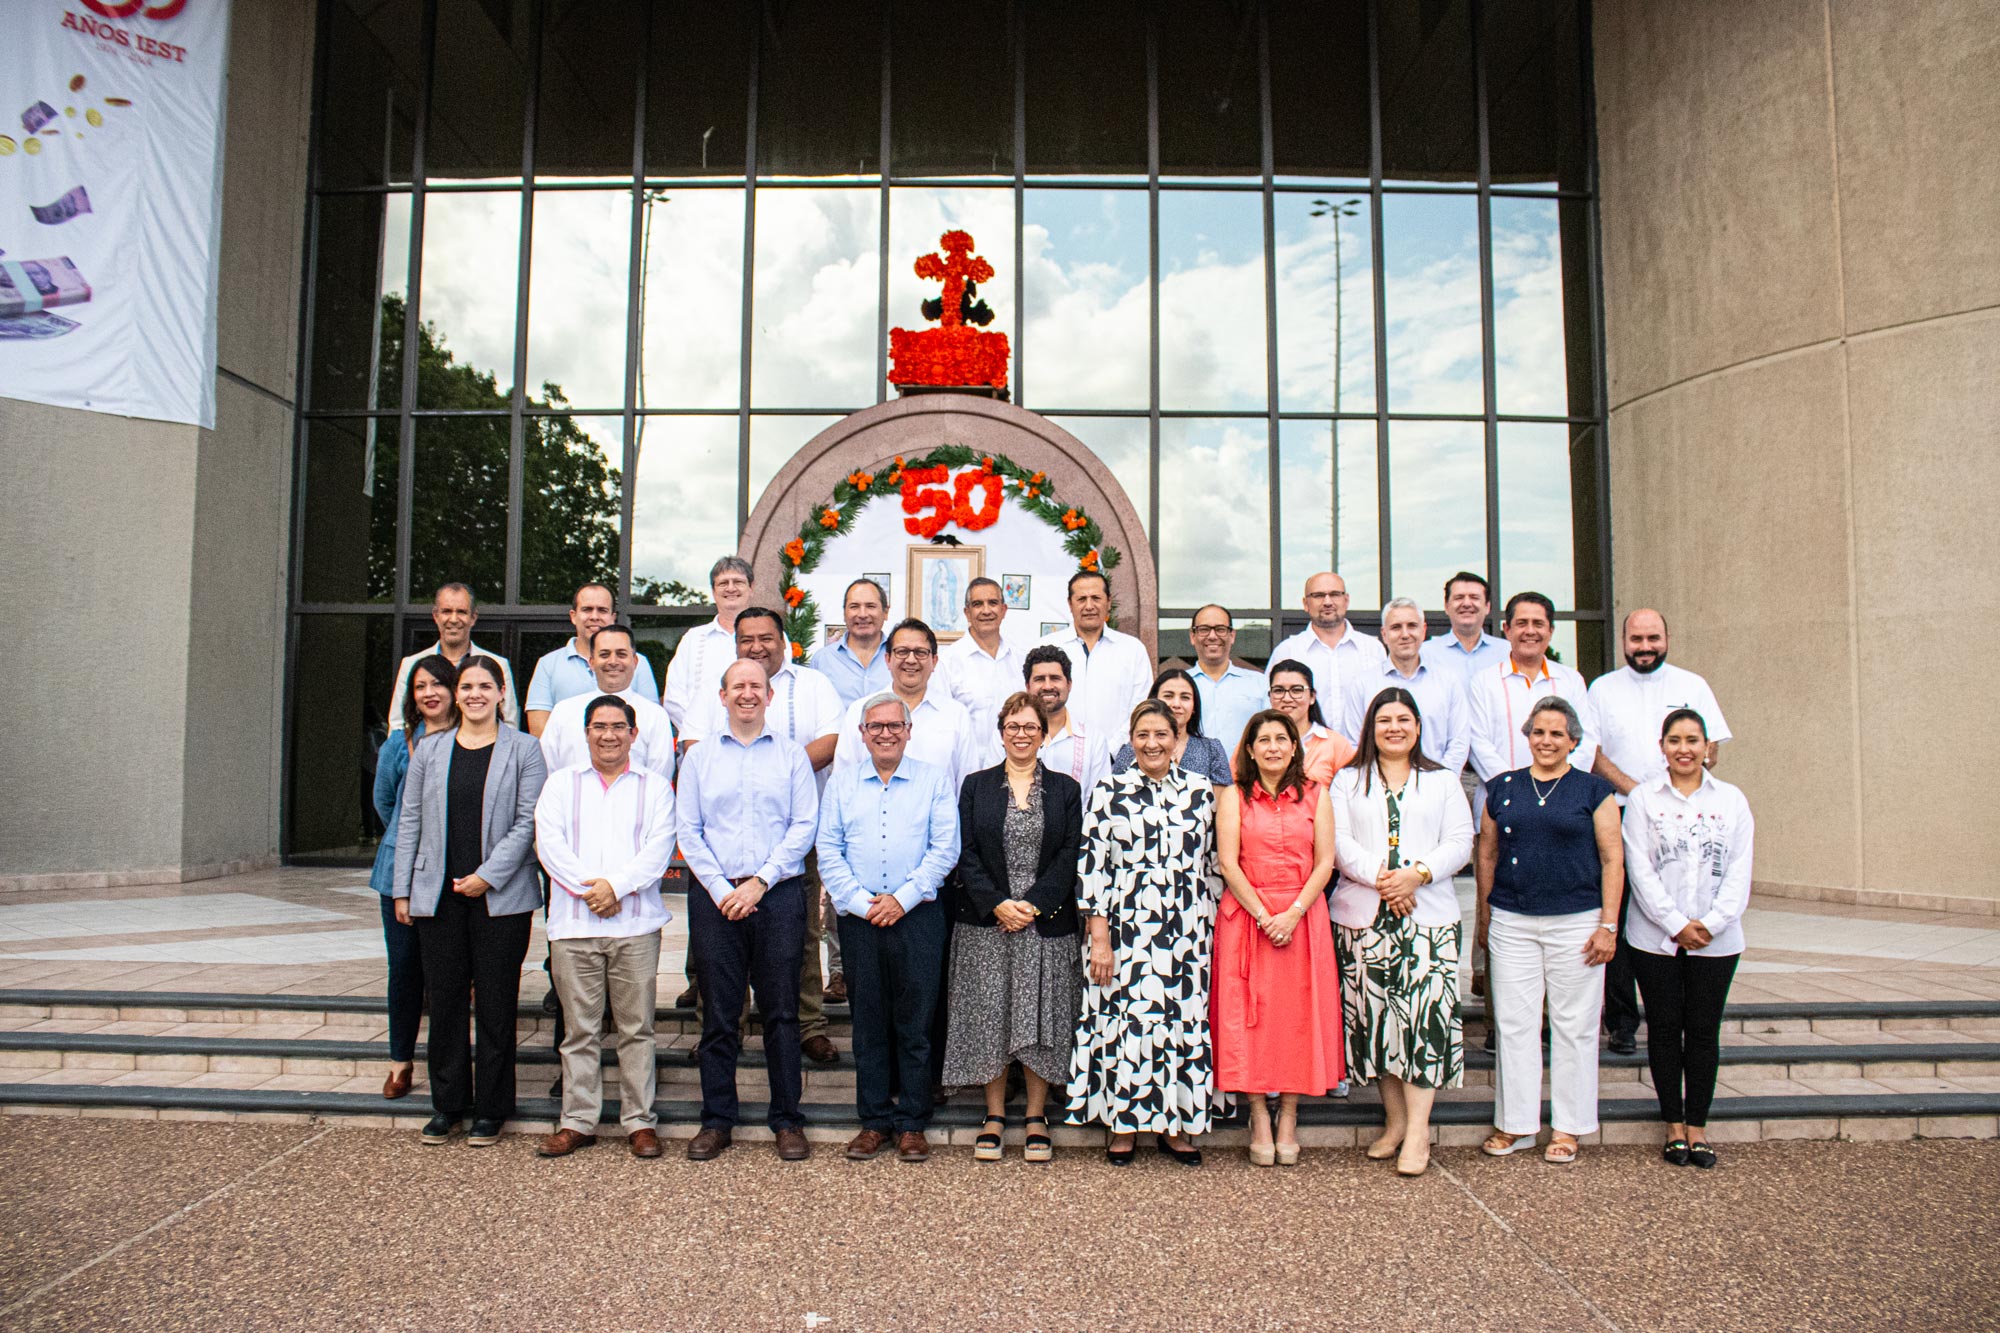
[255,1226]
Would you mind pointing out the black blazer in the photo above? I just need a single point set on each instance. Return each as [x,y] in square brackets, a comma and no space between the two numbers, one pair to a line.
[982,860]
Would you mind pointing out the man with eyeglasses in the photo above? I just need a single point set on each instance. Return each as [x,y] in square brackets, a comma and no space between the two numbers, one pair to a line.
[1332,648]
[706,649]
[604,830]
[566,670]
[1066,748]
[613,661]
[888,836]
[981,668]
[1230,694]
[940,729]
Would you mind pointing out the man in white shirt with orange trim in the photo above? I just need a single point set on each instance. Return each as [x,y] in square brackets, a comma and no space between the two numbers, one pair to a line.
[1333,648]
[604,831]
[1500,699]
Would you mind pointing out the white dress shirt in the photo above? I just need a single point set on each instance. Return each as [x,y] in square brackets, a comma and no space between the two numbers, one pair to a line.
[1331,667]
[1631,705]
[696,668]
[622,832]
[1083,757]
[1436,829]
[1499,699]
[1444,650]
[508,710]
[746,810]
[804,707]
[940,735]
[564,744]
[981,681]
[1440,696]
[1106,682]
[1687,858]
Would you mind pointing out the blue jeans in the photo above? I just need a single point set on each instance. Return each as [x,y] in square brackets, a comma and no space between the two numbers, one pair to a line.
[406,984]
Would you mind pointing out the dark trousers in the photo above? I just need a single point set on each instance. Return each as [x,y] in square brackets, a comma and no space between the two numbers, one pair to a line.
[1621,997]
[761,951]
[406,984]
[472,957]
[893,975]
[1684,998]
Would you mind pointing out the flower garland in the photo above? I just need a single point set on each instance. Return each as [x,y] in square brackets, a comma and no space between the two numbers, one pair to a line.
[929,508]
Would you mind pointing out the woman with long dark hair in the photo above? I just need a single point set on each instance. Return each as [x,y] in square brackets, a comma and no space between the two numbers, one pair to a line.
[1193,751]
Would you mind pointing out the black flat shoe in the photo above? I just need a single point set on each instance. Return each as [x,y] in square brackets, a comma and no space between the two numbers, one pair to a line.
[485,1133]
[438,1129]
[1675,1153]
[1118,1156]
[1701,1155]
[1188,1157]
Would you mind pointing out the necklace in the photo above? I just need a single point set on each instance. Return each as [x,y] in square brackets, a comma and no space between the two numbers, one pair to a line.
[1542,797]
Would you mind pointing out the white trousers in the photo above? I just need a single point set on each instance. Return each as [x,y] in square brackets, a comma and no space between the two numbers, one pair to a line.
[1533,957]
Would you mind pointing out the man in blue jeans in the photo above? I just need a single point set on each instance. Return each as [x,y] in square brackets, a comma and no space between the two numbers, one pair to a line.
[748,806]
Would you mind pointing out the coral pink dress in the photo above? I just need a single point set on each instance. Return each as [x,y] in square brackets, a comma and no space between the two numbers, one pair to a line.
[1275,1011]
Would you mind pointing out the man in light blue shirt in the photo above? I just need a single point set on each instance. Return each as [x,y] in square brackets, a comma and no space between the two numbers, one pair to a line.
[748,808]
[1438,690]
[1466,646]
[1230,694]
[856,662]
[567,671]
[888,836]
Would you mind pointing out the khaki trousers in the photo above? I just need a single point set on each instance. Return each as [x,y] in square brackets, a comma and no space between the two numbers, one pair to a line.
[586,971]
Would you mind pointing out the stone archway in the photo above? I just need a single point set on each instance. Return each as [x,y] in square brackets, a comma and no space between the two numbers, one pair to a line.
[870,439]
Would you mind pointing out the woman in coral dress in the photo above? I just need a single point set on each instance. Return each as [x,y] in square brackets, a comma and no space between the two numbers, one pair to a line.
[1276,1015]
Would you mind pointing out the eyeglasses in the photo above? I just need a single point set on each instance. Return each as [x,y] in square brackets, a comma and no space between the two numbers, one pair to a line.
[884,728]
[909,654]
[1021,728]
[1207,631]
[608,728]
[1290,691]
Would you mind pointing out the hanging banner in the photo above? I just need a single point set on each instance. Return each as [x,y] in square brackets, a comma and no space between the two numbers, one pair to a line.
[111,118]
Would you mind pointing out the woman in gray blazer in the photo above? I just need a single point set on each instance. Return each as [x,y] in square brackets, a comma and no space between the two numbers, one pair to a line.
[465,877]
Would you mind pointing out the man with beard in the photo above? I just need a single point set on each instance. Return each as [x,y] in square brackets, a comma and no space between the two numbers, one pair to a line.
[1065,747]
[1631,705]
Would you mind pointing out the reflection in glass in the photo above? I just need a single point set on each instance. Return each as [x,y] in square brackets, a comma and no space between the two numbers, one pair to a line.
[957,120]
[1530,377]
[477,111]
[773,441]
[683,507]
[1534,92]
[1210,101]
[590,77]
[918,216]
[691,284]
[1124,445]
[350,512]
[368,110]
[1086,88]
[1437,504]
[816,295]
[1086,287]
[471,256]
[341,672]
[572,504]
[1536,542]
[819,87]
[698,88]
[1215,528]
[1212,301]
[1326,303]
[1310,499]
[362,269]
[1319,91]
[1430,133]
[458,508]
[1563,646]
[1430,256]
[578,275]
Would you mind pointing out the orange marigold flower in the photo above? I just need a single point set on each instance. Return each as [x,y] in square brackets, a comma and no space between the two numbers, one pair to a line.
[829,518]
[795,551]
[1038,478]
[793,596]
[1073,520]
[798,652]
[1089,560]
[860,481]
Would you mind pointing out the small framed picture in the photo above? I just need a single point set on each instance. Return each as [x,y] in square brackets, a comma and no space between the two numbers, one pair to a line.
[888,589]
[938,576]
[1016,589]
[1054,627]
[832,633]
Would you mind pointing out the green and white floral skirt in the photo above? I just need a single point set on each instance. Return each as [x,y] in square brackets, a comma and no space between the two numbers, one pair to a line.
[1399,996]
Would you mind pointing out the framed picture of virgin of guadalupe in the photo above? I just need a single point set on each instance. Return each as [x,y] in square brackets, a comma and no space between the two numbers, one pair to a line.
[935,584]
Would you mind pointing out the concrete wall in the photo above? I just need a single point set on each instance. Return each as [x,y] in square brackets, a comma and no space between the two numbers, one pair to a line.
[1802,303]
[143,564]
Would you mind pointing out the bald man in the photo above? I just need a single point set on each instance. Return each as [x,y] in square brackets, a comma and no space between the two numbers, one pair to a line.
[1335,650]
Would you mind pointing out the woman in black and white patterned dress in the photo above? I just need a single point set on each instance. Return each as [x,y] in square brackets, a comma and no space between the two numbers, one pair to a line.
[1149,893]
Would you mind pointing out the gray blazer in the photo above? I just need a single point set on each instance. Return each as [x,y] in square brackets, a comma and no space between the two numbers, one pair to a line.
[514,779]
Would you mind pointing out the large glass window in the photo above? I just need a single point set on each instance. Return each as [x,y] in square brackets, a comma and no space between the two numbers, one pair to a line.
[1312,300]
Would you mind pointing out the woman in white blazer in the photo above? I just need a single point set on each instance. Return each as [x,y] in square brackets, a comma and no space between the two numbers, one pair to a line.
[1402,830]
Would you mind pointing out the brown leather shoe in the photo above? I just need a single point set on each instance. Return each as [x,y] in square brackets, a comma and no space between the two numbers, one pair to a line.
[820,1050]
[792,1145]
[912,1146]
[708,1145]
[563,1142]
[397,1084]
[643,1143]
[685,1000]
[866,1145]
[836,990]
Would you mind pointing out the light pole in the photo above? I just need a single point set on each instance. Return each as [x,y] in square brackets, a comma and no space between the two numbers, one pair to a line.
[1336,209]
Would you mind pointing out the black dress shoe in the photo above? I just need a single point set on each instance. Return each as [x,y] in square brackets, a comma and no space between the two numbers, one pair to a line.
[1486,1044]
[1118,1156]
[1186,1157]
[551,1006]
[1623,1043]
[485,1133]
[1675,1153]
[438,1129]
[1701,1155]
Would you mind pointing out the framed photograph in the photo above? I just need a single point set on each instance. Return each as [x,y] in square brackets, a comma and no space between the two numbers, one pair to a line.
[832,633]
[1016,589]
[888,589]
[1054,627]
[938,576]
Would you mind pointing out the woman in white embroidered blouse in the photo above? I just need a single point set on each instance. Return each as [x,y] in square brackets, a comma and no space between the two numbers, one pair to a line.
[1688,839]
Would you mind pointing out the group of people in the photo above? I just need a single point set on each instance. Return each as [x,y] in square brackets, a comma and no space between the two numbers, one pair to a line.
[1153,892]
